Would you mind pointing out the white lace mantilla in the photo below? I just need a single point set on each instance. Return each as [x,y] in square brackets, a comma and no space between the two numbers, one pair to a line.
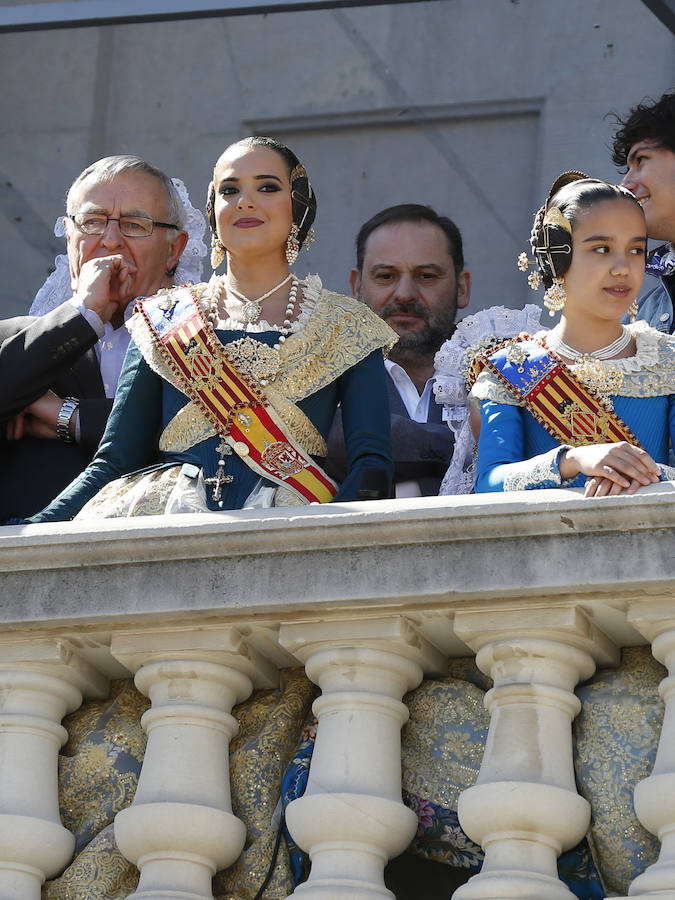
[450,386]
[649,373]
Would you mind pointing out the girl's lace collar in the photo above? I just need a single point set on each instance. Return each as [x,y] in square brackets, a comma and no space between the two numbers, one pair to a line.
[648,343]
[311,292]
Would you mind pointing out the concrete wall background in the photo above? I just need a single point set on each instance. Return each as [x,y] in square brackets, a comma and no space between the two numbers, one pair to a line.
[473,106]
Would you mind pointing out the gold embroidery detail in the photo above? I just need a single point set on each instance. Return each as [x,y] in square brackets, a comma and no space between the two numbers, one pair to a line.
[650,373]
[204,370]
[587,427]
[282,457]
[339,333]
[616,734]
[600,376]
[254,359]
[188,427]
[270,726]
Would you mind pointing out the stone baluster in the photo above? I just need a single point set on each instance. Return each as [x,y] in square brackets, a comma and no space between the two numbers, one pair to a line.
[524,809]
[40,681]
[351,819]
[654,797]
[180,828]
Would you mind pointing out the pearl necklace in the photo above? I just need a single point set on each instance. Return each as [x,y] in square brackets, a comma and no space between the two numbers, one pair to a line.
[290,306]
[210,303]
[253,308]
[556,344]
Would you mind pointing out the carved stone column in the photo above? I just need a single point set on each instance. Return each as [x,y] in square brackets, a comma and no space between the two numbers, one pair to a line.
[524,809]
[351,819]
[180,828]
[40,681]
[654,798]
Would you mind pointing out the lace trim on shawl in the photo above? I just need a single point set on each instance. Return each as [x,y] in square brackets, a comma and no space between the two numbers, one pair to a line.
[649,373]
[339,333]
[667,472]
[541,471]
[450,381]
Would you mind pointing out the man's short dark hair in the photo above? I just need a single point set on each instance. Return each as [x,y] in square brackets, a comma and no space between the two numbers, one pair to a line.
[411,212]
[650,120]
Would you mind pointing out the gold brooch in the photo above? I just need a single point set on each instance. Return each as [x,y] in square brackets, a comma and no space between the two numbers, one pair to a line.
[254,359]
[599,377]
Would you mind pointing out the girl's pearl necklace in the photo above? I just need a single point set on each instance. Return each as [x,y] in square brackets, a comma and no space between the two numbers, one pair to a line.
[555,343]
[212,297]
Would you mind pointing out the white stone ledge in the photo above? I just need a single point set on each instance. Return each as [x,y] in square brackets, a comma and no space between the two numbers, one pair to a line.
[543,586]
[420,556]
[418,520]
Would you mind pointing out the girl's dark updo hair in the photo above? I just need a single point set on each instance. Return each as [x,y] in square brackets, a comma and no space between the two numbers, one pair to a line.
[551,236]
[303,198]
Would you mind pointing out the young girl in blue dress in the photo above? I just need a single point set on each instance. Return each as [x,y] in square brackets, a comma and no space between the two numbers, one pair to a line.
[590,402]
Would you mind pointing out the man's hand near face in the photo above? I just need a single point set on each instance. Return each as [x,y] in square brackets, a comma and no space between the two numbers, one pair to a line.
[105,285]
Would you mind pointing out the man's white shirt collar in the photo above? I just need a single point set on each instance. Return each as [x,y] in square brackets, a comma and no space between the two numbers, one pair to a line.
[417,406]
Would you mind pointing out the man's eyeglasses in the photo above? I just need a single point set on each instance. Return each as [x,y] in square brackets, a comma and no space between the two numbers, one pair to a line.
[130,226]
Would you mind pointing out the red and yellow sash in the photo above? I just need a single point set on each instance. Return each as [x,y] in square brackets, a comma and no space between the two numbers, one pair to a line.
[565,407]
[234,405]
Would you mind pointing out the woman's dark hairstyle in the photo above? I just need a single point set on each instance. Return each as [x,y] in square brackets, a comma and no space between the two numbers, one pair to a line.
[303,198]
[650,120]
[411,212]
[571,194]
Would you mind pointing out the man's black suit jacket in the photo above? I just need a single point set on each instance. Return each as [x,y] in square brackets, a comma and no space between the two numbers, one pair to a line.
[56,352]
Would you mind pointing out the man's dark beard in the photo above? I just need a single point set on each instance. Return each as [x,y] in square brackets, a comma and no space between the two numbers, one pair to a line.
[421,343]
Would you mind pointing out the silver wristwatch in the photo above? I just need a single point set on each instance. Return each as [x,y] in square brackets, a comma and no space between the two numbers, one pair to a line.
[70,404]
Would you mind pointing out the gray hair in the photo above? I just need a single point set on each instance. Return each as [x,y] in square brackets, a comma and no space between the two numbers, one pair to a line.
[110,167]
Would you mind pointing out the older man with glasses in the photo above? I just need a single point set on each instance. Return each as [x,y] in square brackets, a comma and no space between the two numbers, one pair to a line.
[125,231]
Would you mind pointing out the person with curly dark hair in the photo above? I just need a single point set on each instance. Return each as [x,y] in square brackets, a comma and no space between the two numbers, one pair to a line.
[645,146]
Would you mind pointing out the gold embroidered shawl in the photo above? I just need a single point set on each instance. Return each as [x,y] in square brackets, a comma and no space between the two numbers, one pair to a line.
[339,333]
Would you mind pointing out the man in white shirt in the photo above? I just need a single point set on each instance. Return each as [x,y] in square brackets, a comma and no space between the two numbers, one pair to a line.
[410,271]
[58,372]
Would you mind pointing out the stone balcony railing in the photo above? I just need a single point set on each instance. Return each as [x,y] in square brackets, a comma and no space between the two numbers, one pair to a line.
[369,597]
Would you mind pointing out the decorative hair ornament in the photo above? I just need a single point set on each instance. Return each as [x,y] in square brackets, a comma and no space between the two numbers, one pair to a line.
[292,244]
[304,204]
[553,251]
[551,242]
[298,172]
[555,217]
[217,251]
[534,278]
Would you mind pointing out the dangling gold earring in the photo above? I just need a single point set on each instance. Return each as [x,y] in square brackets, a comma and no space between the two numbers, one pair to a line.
[292,245]
[633,310]
[555,296]
[309,240]
[217,252]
